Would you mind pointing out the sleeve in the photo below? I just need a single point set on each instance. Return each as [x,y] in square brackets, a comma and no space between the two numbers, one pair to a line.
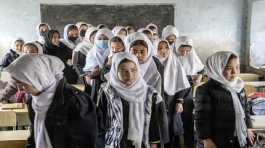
[154,132]
[105,70]
[4,61]
[203,110]
[247,111]
[180,96]
[8,91]
[82,124]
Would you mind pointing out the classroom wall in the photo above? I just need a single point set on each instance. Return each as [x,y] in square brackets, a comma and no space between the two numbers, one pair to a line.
[18,18]
[213,24]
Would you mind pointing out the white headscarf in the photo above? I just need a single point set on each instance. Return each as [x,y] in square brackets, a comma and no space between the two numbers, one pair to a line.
[134,94]
[86,44]
[96,56]
[41,39]
[44,73]
[215,65]
[152,25]
[191,62]
[117,29]
[149,70]
[162,60]
[175,78]
[65,39]
[170,30]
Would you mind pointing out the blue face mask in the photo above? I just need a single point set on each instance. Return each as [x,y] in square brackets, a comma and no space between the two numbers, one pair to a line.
[102,44]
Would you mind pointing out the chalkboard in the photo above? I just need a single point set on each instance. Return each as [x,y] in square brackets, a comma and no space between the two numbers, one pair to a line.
[137,15]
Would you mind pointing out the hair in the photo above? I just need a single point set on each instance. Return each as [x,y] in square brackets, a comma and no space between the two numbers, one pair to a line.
[185,46]
[123,29]
[139,42]
[42,24]
[20,40]
[130,28]
[72,27]
[31,46]
[117,39]
[84,24]
[145,31]
[100,26]
[163,42]
[232,56]
[125,61]
[152,27]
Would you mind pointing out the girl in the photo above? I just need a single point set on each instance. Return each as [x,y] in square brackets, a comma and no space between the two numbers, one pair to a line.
[132,113]
[95,60]
[116,44]
[175,87]
[151,68]
[81,50]
[170,33]
[194,69]
[222,113]
[53,46]
[120,31]
[12,54]
[41,31]
[32,48]
[71,36]
[63,116]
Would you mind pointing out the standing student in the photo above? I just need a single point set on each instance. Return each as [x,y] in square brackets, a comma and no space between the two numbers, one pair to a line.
[170,33]
[64,117]
[82,28]
[41,31]
[116,45]
[71,36]
[175,88]
[81,50]
[12,54]
[151,68]
[132,113]
[194,69]
[120,31]
[53,46]
[222,113]
[95,60]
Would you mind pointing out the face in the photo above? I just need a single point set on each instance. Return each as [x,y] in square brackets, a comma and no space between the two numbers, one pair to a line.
[232,69]
[127,73]
[27,88]
[131,30]
[163,49]
[92,38]
[19,46]
[29,50]
[140,52]
[184,50]
[56,39]
[171,39]
[150,36]
[122,34]
[116,47]
[83,29]
[73,34]
[102,37]
[44,29]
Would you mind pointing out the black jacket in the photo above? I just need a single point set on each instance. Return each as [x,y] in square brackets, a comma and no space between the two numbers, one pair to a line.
[8,59]
[70,120]
[215,115]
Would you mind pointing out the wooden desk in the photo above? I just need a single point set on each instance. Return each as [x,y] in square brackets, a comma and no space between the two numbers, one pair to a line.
[13,139]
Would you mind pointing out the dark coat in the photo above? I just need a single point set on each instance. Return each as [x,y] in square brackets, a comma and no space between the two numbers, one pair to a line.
[70,120]
[8,58]
[158,124]
[215,114]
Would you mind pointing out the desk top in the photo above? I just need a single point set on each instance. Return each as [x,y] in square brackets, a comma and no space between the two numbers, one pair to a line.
[14,135]
[256,83]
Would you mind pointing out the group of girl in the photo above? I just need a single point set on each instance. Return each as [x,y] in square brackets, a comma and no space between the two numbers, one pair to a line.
[138,88]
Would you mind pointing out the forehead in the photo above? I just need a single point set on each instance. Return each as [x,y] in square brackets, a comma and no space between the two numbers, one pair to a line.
[127,64]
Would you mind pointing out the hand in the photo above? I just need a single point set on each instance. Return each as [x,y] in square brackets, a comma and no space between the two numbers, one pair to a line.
[196,79]
[95,72]
[179,108]
[251,136]
[208,143]
[153,145]
[109,61]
